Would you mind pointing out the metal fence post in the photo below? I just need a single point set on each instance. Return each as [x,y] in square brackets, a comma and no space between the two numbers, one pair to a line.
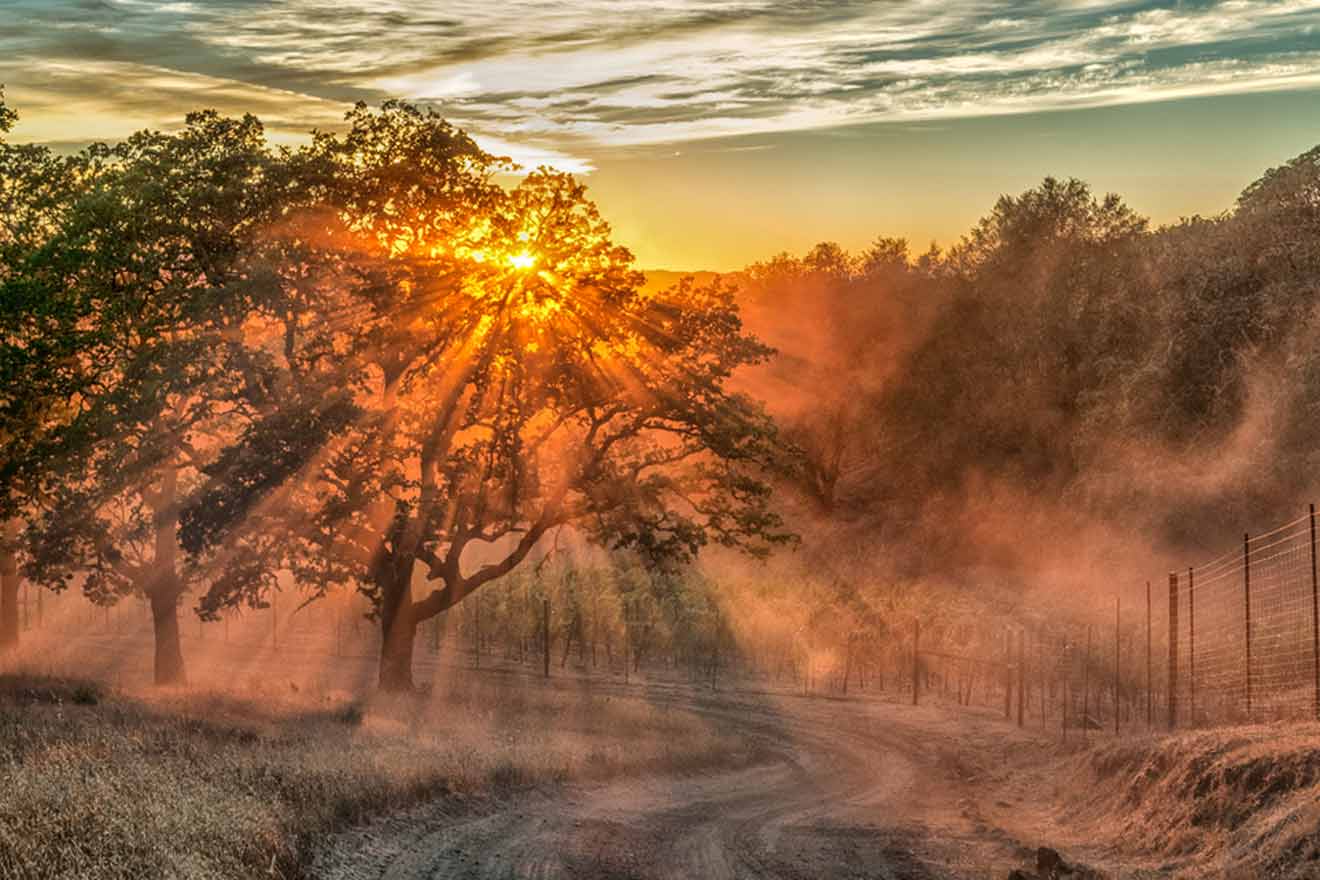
[1150,707]
[1086,686]
[1246,598]
[1118,630]
[916,653]
[545,638]
[1040,658]
[1191,642]
[1008,674]
[1173,650]
[1066,654]
[1315,619]
[1021,675]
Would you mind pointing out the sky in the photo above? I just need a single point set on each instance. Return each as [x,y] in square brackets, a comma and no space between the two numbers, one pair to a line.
[718,132]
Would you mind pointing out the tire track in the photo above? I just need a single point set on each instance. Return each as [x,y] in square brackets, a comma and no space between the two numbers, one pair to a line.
[851,790]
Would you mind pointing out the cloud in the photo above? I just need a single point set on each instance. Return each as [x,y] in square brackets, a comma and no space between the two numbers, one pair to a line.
[558,81]
[79,102]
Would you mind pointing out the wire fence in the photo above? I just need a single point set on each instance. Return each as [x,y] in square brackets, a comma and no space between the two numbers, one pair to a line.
[1244,632]
[1234,640]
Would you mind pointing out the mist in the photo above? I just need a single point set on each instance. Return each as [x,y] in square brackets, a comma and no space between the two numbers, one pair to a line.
[367,502]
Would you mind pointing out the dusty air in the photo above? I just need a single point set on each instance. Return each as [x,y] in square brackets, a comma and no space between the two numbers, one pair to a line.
[700,441]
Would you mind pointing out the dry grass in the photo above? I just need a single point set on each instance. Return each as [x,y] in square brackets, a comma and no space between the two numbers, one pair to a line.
[108,785]
[1238,802]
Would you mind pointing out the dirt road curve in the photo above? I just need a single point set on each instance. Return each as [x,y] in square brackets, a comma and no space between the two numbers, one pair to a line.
[853,790]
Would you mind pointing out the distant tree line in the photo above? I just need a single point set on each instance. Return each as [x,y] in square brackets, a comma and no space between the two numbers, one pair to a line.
[1063,351]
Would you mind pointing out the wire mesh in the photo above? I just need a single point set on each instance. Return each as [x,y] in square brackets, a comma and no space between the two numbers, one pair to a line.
[1246,636]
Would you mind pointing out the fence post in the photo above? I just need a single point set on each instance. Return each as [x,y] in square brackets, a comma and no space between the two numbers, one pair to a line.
[1040,658]
[1021,675]
[545,638]
[1086,685]
[1008,674]
[1066,654]
[1191,642]
[1118,605]
[1315,619]
[1246,598]
[1149,694]
[916,654]
[715,660]
[1173,650]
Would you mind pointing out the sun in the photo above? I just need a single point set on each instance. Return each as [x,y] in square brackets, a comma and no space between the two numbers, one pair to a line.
[522,260]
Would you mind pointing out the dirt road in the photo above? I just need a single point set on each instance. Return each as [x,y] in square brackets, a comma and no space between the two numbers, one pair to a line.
[852,789]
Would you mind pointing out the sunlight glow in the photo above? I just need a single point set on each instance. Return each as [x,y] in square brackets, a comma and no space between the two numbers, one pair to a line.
[522,260]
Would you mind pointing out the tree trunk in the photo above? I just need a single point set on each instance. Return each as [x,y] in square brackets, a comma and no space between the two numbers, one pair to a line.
[396,652]
[9,582]
[398,632]
[165,587]
[168,667]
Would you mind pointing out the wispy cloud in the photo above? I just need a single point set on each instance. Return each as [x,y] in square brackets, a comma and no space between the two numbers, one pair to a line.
[556,82]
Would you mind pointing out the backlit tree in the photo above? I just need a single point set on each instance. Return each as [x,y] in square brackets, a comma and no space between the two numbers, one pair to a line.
[507,378]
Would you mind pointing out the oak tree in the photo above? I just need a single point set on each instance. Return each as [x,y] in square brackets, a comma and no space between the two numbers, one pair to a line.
[507,377]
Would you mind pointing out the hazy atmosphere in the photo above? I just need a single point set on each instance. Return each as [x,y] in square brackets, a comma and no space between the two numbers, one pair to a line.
[679,440]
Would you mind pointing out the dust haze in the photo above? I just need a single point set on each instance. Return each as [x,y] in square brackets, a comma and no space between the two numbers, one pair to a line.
[370,514]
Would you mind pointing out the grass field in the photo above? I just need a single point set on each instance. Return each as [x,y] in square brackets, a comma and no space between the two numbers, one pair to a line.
[105,784]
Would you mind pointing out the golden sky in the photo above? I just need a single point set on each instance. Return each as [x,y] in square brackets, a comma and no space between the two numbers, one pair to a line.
[715,132]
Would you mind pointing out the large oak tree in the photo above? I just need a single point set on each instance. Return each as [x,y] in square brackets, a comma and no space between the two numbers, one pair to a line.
[491,372]
[135,296]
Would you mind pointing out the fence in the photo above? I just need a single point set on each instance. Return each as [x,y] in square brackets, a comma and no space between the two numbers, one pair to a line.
[1234,640]
[1244,632]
